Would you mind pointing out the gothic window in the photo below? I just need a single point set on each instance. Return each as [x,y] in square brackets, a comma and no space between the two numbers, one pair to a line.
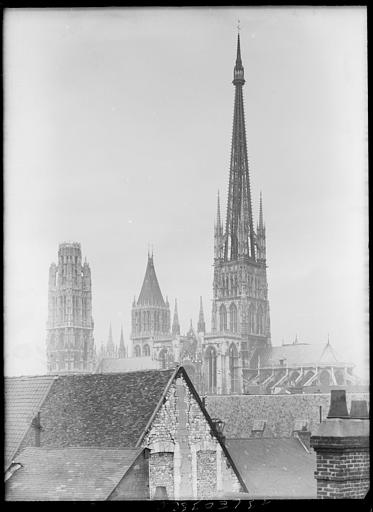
[146,351]
[163,358]
[233,367]
[233,317]
[210,359]
[232,286]
[137,351]
[260,320]
[223,318]
[235,286]
[251,319]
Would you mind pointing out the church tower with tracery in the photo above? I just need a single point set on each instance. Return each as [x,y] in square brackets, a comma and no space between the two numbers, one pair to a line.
[70,344]
[151,318]
[240,311]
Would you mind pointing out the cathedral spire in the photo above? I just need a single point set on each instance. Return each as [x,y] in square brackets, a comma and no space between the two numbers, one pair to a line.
[261,223]
[239,179]
[110,344]
[122,348]
[175,322]
[201,326]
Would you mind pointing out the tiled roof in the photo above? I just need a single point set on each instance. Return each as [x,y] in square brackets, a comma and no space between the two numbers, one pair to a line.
[299,354]
[68,474]
[101,410]
[150,292]
[23,398]
[128,364]
[275,468]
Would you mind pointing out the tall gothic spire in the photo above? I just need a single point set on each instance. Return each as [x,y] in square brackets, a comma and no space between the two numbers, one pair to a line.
[261,223]
[110,349]
[201,326]
[122,348]
[175,322]
[239,179]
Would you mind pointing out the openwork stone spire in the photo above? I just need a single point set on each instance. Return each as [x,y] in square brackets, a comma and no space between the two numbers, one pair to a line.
[239,179]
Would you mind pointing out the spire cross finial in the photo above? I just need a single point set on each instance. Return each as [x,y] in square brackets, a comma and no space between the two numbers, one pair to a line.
[238,25]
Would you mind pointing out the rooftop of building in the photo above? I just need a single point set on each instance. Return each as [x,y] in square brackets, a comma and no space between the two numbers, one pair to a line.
[68,474]
[97,410]
[275,468]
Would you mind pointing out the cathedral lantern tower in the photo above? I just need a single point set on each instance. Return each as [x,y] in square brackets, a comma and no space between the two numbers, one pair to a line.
[151,319]
[70,344]
[240,308]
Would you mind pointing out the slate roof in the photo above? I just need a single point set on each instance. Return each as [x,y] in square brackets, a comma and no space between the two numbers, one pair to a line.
[275,468]
[299,354]
[128,364]
[23,397]
[68,474]
[102,410]
[150,292]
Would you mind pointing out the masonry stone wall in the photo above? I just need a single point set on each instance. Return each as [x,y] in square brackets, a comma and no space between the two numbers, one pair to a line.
[135,484]
[180,427]
[161,473]
[279,411]
[206,474]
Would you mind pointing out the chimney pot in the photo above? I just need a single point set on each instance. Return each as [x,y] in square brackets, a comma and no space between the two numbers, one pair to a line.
[359,410]
[338,405]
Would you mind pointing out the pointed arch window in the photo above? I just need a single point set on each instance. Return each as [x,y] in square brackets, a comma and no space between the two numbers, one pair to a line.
[223,318]
[233,317]
[210,359]
[260,320]
[146,351]
[233,368]
[163,358]
[251,319]
[137,351]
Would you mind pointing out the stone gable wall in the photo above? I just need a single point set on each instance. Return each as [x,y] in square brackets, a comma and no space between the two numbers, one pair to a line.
[279,411]
[181,428]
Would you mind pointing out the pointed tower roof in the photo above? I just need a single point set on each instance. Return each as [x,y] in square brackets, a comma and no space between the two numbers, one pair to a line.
[239,179]
[175,322]
[218,216]
[110,343]
[150,294]
[261,223]
[201,326]
[122,348]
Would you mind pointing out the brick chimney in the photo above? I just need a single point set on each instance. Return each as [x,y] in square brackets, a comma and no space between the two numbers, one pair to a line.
[342,450]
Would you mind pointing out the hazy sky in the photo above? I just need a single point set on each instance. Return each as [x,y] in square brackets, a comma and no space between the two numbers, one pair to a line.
[117,135]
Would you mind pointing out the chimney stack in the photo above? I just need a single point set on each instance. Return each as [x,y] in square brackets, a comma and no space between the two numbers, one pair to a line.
[359,410]
[338,404]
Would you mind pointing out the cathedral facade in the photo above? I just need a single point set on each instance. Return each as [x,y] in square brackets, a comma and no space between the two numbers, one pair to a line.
[70,343]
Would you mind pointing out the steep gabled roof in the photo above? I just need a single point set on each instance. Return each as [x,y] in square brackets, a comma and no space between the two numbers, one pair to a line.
[69,474]
[150,292]
[23,399]
[102,410]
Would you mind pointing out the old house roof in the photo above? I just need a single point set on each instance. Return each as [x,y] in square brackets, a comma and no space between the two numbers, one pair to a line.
[275,468]
[106,410]
[69,474]
[150,292]
[23,398]
[128,364]
[299,354]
